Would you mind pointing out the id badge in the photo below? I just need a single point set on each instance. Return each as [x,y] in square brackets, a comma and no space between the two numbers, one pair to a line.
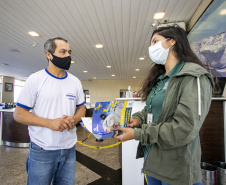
[149,118]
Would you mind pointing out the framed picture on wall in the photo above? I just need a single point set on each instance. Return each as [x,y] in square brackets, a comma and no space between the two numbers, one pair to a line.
[208,38]
[8,87]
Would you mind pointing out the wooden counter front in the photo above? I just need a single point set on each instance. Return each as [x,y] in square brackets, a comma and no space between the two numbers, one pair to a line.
[13,131]
[212,134]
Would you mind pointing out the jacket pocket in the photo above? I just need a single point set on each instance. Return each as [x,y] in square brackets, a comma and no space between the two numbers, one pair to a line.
[166,157]
[184,154]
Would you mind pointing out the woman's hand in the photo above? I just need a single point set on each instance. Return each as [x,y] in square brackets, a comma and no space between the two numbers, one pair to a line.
[134,122]
[128,133]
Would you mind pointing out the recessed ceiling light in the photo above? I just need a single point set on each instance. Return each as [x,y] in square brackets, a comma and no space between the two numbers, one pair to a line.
[85,71]
[33,34]
[141,58]
[72,62]
[94,77]
[112,75]
[108,66]
[99,46]
[223,12]
[34,44]
[137,69]
[159,15]
[134,77]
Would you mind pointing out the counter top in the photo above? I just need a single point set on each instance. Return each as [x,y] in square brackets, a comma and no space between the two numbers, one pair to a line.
[138,98]
[7,110]
[219,98]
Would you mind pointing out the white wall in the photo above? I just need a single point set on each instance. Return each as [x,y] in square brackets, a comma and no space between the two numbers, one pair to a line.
[108,90]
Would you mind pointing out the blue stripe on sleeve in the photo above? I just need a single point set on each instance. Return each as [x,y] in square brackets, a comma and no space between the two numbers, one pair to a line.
[80,104]
[23,106]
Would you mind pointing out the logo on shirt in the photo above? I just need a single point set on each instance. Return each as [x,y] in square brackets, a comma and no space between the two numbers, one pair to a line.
[165,86]
[70,96]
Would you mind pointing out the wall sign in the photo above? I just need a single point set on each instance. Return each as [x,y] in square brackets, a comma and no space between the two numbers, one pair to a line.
[8,87]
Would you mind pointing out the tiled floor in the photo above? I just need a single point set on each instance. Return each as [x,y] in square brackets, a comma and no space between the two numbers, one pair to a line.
[93,166]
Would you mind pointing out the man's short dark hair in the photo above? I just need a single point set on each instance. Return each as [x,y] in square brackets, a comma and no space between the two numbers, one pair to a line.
[50,44]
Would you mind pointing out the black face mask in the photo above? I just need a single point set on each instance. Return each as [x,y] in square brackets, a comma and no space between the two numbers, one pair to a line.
[62,63]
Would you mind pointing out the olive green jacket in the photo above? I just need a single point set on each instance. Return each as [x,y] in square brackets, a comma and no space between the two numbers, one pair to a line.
[175,153]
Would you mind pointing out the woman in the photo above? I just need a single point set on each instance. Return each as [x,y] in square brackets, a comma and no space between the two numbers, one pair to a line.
[178,93]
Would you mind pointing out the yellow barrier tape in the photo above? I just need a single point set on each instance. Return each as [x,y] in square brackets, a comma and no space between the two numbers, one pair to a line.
[97,147]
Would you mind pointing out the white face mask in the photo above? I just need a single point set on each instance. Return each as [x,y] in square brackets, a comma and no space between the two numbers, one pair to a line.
[158,54]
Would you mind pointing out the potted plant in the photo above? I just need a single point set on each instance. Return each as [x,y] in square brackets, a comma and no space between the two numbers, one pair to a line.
[134,94]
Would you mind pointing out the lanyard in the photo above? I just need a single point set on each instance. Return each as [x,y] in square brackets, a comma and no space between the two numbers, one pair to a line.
[154,94]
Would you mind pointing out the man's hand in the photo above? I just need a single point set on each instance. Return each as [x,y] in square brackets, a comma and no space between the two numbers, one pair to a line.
[128,133]
[134,122]
[60,124]
[23,116]
[70,121]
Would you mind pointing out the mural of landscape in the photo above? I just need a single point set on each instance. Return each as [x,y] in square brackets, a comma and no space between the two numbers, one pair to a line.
[208,37]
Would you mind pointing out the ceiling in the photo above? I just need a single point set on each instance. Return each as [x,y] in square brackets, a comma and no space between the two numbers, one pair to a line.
[122,26]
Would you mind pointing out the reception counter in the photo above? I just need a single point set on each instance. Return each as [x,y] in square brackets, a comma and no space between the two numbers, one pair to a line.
[212,134]
[13,133]
[131,167]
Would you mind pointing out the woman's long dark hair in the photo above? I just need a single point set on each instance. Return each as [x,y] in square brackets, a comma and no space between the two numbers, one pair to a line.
[181,50]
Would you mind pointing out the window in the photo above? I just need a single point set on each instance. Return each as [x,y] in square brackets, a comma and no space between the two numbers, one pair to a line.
[86,92]
[18,85]
[123,93]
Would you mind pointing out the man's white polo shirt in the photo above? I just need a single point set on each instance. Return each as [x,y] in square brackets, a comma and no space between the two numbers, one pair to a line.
[51,97]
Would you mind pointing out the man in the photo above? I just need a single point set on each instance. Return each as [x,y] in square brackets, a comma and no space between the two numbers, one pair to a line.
[57,103]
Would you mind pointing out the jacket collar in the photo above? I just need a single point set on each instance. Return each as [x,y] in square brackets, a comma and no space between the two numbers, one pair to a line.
[196,71]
